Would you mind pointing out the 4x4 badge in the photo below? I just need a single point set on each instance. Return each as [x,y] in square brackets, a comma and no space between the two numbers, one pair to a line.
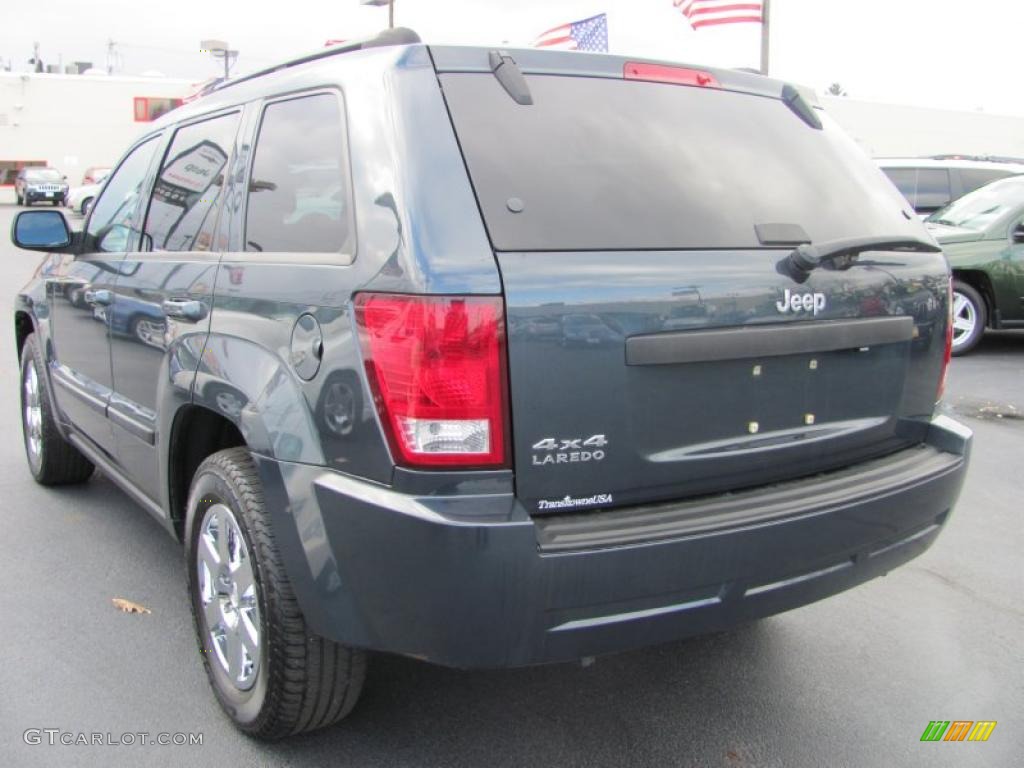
[571,450]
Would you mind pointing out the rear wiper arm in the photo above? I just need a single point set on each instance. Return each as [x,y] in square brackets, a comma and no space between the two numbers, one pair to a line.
[510,76]
[809,256]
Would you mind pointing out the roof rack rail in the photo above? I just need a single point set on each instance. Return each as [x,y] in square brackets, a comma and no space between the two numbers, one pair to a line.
[384,38]
[978,158]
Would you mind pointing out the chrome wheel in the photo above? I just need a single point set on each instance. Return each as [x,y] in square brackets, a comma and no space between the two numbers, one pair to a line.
[149,332]
[228,597]
[965,319]
[32,415]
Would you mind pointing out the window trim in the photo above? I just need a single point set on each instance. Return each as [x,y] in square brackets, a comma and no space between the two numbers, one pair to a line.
[335,258]
[172,134]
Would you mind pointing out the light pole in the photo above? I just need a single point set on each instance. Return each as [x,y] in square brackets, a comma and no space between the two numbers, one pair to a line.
[219,49]
[391,9]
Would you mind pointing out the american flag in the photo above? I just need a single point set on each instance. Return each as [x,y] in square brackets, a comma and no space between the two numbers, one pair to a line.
[585,35]
[707,13]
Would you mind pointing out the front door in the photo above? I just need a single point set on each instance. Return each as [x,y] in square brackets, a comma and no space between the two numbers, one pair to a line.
[1015,265]
[82,301]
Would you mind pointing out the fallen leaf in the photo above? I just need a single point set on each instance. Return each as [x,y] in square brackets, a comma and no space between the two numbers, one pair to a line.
[128,606]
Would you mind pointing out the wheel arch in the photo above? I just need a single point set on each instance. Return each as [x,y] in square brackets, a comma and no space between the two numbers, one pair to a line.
[980,281]
[196,433]
[23,328]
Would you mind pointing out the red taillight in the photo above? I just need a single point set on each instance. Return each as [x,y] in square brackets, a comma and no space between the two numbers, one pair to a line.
[659,73]
[949,342]
[436,365]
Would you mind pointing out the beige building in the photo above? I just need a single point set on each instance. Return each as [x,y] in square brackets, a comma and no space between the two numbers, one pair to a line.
[896,130]
[72,122]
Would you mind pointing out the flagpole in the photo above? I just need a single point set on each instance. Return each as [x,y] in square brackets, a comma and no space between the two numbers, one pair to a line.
[765,35]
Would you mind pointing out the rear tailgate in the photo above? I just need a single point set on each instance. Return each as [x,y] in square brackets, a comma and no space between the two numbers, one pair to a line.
[658,348]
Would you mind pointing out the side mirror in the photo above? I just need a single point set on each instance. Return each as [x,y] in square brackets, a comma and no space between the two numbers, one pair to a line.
[1018,233]
[41,231]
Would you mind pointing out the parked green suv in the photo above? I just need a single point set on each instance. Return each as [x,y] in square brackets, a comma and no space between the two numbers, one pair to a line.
[982,234]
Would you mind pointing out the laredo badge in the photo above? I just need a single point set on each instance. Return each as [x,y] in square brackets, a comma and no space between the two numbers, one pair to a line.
[573,450]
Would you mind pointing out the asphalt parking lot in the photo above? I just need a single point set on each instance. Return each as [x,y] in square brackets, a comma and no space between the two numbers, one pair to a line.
[853,680]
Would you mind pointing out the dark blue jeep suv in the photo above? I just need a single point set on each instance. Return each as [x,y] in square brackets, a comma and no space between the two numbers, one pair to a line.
[493,358]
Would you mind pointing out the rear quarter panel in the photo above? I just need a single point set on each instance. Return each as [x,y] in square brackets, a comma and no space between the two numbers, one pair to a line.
[418,230]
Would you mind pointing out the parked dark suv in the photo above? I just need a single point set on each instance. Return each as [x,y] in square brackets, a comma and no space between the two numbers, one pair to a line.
[33,185]
[355,398]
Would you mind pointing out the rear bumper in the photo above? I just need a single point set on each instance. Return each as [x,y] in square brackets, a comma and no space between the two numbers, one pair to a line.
[472,581]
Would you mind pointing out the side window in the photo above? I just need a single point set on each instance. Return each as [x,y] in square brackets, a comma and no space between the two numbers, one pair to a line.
[932,187]
[299,198]
[905,180]
[925,188]
[972,178]
[183,211]
[110,224]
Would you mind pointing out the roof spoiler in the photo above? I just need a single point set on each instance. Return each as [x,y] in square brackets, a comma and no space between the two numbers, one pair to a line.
[383,39]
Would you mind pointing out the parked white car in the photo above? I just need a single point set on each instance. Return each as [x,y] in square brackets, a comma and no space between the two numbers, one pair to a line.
[80,199]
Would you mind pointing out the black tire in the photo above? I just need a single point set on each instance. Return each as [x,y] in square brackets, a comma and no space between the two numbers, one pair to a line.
[976,308]
[57,202]
[57,462]
[303,681]
[86,205]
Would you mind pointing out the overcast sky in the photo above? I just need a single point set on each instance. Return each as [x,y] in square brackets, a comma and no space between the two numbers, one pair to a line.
[961,55]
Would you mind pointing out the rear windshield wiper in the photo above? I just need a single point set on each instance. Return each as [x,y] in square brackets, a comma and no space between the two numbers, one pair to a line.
[510,76]
[809,256]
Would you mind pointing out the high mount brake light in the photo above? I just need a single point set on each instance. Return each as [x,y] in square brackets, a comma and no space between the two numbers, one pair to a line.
[436,366]
[659,73]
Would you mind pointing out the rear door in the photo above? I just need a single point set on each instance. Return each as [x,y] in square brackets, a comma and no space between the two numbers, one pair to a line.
[164,291]
[659,346]
[1014,264]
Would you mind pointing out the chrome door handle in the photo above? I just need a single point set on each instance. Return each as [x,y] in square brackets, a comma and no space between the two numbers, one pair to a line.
[184,309]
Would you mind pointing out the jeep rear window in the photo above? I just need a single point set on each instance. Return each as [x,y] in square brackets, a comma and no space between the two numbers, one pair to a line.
[606,164]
